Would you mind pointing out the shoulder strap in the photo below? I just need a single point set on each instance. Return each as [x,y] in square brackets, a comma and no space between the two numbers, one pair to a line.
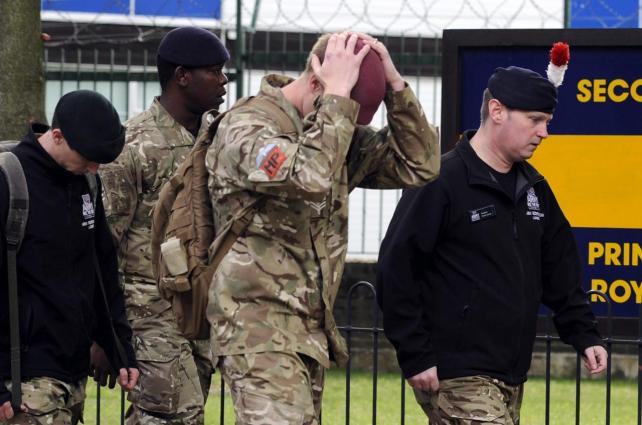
[15,229]
[240,222]
[272,109]
[236,228]
[120,351]
[7,145]
[93,187]
[121,356]
[18,199]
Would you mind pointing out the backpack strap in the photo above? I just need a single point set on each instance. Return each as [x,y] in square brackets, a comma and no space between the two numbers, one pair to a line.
[120,351]
[15,229]
[18,199]
[93,187]
[239,224]
[272,109]
[173,185]
[7,145]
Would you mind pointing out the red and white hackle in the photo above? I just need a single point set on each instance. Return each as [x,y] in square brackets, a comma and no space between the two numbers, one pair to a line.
[559,55]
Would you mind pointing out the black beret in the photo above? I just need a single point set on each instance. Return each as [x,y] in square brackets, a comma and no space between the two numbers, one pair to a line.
[91,125]
[521,88]
[192,46]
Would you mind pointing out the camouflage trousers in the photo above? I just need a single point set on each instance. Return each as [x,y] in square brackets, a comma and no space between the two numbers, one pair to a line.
[274,388]
[175,373]
[50,402]
[472,400]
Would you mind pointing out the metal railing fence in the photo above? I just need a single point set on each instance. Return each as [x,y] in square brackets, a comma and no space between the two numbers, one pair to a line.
[362,294]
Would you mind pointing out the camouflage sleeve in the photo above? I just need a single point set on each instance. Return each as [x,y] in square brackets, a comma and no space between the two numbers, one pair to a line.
[121,186]
[403,154]
[252,152]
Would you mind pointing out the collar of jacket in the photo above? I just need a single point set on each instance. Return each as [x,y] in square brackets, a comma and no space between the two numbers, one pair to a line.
[32,149]
[479,173]
[271,87]
[164,119]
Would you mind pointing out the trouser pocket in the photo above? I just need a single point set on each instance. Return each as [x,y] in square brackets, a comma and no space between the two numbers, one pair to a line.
[158,387]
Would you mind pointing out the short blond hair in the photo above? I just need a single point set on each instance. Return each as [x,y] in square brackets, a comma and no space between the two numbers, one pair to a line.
[318,49]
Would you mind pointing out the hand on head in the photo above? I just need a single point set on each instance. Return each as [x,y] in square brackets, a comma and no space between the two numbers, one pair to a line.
[340,69]
[393,78]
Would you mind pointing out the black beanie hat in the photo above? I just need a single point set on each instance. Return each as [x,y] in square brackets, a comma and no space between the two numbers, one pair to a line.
[91,125]
[192,46]
[523,89]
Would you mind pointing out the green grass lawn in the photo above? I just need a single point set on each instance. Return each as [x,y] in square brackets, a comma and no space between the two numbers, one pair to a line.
[593,398]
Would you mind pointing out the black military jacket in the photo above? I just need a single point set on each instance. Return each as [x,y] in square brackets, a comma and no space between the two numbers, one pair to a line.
[464,266]
[60,304]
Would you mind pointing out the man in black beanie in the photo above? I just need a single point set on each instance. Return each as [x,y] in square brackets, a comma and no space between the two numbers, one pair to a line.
[61,307]
[176,371]
[467,260]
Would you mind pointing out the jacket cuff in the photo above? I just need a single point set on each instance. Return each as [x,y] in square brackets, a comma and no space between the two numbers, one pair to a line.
[131,355]
[584,341]
[338,107]
[399,100]
[412,367]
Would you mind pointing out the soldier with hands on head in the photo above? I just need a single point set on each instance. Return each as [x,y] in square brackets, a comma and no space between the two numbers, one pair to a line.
[175,371]
[468,258]
[67,276]
[271,297]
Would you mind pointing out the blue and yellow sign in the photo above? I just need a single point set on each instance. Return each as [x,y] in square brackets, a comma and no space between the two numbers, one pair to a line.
[592,159]
[209,9]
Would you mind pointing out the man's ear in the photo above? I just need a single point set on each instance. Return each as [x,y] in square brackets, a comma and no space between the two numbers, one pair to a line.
[496,111]
[182,76]
[314,84]
[58,137]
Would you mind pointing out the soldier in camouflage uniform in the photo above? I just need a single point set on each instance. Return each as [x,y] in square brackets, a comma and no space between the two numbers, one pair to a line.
[175,372]
[271,298]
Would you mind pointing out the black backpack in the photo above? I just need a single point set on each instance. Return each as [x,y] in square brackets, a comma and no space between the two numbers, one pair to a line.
[14,232]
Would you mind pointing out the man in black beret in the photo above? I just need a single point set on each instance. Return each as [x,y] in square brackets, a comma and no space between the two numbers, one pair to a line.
[467,260]
[61,307]
[175,371]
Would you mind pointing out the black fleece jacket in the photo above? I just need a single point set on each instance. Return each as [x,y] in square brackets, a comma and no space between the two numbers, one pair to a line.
[61,306]
[464,266]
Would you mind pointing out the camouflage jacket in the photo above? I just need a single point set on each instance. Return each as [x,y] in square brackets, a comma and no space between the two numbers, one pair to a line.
[154,148]
[274,290]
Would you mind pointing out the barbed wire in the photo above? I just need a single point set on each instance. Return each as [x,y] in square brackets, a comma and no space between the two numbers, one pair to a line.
[382,17]
[425,18]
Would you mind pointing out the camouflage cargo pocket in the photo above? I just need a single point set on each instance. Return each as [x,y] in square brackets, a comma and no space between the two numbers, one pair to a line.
[471,398]
[257,409]
[50,401]
[158,387]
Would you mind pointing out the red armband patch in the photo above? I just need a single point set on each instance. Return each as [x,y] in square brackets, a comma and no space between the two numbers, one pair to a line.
[273,161]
